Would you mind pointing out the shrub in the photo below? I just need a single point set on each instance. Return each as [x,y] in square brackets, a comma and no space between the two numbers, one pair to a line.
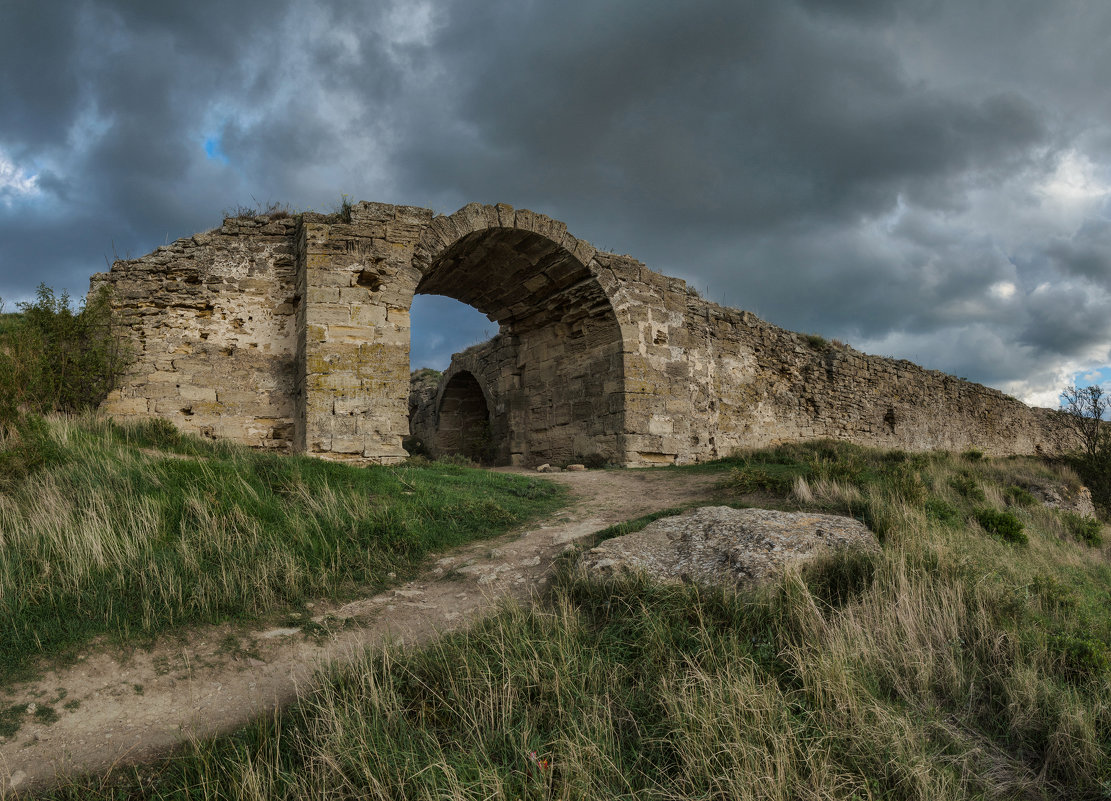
[943,512]
[1086,529]
[58,358]
[415,446]
[1017,496]
[1001,524]
[966,484]
[1082,658]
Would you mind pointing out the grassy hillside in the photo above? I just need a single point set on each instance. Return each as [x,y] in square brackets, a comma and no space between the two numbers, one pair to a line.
[969,659]
[131,531]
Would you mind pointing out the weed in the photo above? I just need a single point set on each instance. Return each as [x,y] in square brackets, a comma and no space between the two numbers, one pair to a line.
[968,486]
[840,578]
[72,705]
[817,342]
[271,210]
[11,719]
[341,212]
[762,478]
[943,512]
[45,714]
[1082,658]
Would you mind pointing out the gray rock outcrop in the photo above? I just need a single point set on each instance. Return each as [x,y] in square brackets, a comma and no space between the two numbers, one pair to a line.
[1065,498]
[722,545]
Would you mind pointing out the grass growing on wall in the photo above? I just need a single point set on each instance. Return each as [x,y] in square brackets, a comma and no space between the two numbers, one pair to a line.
[130,531]
[955,664]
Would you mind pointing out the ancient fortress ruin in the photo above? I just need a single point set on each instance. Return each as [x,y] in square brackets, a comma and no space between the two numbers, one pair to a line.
[292,332]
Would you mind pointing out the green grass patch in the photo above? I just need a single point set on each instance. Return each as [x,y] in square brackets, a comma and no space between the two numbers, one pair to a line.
[950,665]
[11,719]
[130,531]
[45,714]
[636,524]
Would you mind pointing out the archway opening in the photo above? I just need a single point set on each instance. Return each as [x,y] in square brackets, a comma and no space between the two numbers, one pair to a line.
[553,374]
[441,326]
[463,420]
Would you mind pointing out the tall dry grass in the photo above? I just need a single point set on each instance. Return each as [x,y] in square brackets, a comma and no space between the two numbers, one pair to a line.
[952,665]
[129,531]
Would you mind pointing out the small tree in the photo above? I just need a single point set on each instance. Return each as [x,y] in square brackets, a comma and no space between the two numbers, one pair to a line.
[54,357]
[1086,410]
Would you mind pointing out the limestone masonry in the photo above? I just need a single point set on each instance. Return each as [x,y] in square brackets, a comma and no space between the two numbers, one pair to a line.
[293,333]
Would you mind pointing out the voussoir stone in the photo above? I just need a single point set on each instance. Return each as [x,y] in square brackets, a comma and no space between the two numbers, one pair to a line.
[722,545]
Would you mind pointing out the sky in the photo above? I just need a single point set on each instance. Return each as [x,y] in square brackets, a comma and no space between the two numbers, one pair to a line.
[923,179]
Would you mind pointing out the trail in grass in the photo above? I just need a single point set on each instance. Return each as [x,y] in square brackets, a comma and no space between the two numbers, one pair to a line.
[110,707]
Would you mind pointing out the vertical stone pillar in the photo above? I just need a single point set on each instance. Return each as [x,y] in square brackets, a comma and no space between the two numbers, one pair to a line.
[358,281]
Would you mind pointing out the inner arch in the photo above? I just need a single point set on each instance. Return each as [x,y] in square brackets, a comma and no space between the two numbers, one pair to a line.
[553,370]
[463,420]
[518,278]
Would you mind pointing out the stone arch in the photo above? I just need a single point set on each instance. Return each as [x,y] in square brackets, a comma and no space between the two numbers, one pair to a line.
[555,372]
[463,419]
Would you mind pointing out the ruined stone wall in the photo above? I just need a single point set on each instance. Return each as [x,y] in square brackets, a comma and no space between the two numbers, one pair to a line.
[293,333]
[359,282]
[704,380]
[770,385]
[212,325]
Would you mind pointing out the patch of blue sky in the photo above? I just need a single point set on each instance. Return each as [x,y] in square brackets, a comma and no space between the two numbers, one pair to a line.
[214,150]
[1100,375]
[441,326]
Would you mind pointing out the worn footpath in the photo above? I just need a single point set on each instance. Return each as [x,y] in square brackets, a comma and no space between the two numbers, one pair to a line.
[109,708]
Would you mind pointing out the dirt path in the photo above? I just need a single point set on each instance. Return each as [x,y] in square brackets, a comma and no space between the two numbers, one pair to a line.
[111,710]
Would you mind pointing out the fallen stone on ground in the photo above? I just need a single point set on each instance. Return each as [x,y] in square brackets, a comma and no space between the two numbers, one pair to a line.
[722,545]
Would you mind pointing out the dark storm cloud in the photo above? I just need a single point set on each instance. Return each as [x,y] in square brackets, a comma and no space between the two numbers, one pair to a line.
[1087,253]
[926,178]
[708,114]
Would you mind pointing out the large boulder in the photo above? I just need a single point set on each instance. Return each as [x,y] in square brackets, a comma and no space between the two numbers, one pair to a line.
[722,545]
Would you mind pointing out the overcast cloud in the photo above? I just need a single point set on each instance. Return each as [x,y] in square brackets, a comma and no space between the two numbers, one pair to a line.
[924,180]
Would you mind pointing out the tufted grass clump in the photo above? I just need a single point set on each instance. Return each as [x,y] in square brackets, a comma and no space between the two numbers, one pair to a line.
[128,531]
[949,665]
